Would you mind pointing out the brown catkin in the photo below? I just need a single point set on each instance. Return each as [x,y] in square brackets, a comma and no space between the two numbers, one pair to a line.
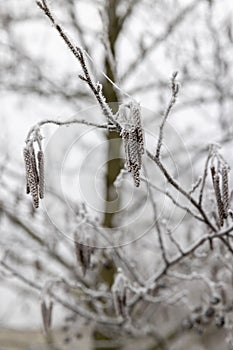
[50,309]
[40,157]
[216,184]
[125,138]
[119,291]
[34,166]
[31,178]
[136,117]
[225,190]
[46,312]
[134,157]
[133,160]
[133,140]
[27,162]
[83,255]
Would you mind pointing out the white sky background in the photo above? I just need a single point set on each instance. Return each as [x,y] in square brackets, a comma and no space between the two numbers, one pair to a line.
[20,112]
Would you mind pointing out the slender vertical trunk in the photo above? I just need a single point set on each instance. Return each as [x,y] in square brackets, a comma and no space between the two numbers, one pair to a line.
[114,162]
[113,153]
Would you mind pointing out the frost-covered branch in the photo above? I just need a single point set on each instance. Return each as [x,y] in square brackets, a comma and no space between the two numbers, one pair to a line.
[79,55]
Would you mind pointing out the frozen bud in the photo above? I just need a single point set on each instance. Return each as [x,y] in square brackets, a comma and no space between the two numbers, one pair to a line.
[197,309]
[187,323]
[99,87]
[197,319]
[210,312]
[214,300]
[219,321]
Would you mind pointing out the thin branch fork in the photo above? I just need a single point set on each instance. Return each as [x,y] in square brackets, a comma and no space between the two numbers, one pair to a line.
[157,225]
[77,309]
[78,53]
[110,117]
[181,190]
[183,254]
[108,113]
[67,123]
[175,202]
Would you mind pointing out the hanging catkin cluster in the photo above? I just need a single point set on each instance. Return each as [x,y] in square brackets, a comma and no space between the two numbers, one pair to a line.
[34,168]
[219,173]
[132,135]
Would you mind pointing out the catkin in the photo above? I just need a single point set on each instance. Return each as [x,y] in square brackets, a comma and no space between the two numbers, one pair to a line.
[26,155]
[119,291]
[132,135]
[225,190]
[134,157]
[40,157]
[216,184]
[83,255]
[136,116]
[31,177]
[34,167]
[46,312]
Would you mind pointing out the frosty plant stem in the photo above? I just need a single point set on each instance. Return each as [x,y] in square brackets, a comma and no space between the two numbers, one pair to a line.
[175,91]
[78,53]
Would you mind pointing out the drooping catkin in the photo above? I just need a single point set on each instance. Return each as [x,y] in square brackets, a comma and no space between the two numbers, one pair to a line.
[31,175]
[225,190]
[34,166]
[216,185]
[46,312]
[83,255]
[40,157]
[132,135]
[119,291]
[134,156]
[136,117]
[26,155]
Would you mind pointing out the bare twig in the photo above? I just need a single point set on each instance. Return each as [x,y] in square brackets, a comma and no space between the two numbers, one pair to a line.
[204,176]
[78,53]
[157,225]
[175,90]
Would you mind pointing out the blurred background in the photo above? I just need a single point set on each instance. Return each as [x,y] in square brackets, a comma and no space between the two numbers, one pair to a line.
[138,44]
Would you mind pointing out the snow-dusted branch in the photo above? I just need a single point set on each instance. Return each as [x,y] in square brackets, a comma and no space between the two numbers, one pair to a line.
[66,123]
[79,54]
[175,90]
[77,309]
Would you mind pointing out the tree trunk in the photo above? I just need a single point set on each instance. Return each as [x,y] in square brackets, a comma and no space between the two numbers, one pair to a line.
[114,162]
